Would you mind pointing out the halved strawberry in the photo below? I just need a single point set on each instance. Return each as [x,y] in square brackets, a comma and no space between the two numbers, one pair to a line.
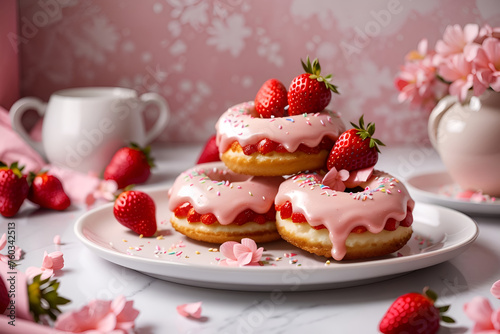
[310,92]
[271,99]
[355,148]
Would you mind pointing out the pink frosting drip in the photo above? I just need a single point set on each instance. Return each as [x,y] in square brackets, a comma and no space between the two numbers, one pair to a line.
[384,197]
[213,188]
[239,124]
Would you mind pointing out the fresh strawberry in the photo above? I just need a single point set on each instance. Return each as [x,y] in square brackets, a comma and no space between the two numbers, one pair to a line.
[271,99]
[130,165]
[414,313]
[47,191]
[355,148]
[137,211]
[310,92]
[13,189]
[210,152]
[4,296]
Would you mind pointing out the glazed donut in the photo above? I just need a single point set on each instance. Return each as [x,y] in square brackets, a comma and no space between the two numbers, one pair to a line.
[345,225]
[213,204]
[258,146]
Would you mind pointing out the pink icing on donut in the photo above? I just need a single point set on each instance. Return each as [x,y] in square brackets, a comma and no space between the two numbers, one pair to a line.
[213,188]
[383,197]
[239,123]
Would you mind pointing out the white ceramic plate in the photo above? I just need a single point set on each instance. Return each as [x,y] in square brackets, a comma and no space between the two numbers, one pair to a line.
[439,235]
[428,188]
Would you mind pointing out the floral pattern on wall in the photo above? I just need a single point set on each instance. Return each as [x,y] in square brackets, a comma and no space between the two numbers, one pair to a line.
[206,55]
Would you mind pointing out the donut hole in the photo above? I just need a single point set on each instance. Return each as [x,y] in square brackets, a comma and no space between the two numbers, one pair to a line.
[354,190]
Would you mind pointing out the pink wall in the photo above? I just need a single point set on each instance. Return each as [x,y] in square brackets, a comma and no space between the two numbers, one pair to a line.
[9,60]
[204,56]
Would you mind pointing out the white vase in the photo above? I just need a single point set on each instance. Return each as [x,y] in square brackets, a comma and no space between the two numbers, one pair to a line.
[467,138]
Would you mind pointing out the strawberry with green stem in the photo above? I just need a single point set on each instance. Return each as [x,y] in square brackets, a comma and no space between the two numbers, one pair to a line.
[414,313]
[13,189]
[47,191]
[310,92]
[355,148]
[130,165]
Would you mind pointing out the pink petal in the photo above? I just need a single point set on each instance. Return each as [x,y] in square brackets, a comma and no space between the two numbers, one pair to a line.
[249,243]
[479,310]
[495,289]
[257,255]
[333,179]
[57,239]
[3,241]
[46,273]
[190,310]
[359,176]
[227,249]
[107,323]
[495,319]
[243,255]
[125,312]
[57,260]
[32,272]
[47,261]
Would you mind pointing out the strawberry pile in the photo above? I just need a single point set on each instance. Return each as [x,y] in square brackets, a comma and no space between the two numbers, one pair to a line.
[310,92]
[42,189]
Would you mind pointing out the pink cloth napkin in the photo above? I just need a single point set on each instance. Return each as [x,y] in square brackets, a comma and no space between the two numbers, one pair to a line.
[13,148]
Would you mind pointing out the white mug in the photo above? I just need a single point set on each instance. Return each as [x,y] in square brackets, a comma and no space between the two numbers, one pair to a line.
[83,127]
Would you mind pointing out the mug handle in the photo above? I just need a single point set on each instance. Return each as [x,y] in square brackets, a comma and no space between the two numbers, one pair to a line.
[163,117]
[16,113]
[435,117]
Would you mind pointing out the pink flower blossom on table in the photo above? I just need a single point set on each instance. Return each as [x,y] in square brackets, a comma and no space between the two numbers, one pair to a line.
[6,258]
[100,317]
[192,310]
[50,264]
[495,289]
[335,179]
[106,191]
[487,320]
[239,255]
[455,39]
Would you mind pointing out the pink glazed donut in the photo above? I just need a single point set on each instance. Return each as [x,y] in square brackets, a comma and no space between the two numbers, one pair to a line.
[287,145]
[345,225]
[212,203]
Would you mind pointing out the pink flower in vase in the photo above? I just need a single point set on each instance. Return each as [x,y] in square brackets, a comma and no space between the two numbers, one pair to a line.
[239,255]
[100,317]
[458,71]
[486,319]
[485,59]
[455,39]
[417,80]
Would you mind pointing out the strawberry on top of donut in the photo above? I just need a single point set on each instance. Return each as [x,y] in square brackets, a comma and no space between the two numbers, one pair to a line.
[310,92]
[355,148]
[271,99]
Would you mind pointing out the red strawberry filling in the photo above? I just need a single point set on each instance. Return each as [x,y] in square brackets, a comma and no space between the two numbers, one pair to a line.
[267,146]
[187,211]
[286,212]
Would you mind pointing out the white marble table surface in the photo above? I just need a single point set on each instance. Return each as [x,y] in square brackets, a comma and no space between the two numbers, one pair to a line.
[348,310]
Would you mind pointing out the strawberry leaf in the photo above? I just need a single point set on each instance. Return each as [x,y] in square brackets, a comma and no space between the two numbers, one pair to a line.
[447,319]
